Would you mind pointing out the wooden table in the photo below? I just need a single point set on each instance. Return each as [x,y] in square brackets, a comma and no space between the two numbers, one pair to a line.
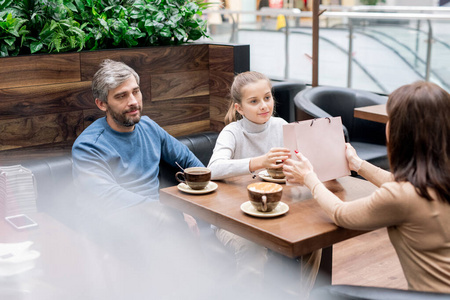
[70,266]
[376,113]
[74,266]
[303,229]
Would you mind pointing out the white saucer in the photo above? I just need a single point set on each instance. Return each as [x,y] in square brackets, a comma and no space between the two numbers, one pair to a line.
[212,186]
[248,208]
[265,176]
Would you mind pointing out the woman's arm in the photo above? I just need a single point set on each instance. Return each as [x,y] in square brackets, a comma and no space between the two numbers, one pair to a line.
[382,208]
[370,172]
[374,174]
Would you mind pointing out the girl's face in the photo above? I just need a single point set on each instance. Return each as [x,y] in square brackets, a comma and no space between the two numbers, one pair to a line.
[257,102]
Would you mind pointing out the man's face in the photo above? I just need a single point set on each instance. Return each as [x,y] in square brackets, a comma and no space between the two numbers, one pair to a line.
[124,106]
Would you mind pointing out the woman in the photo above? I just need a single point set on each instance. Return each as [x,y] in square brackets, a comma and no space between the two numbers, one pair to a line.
[414,201]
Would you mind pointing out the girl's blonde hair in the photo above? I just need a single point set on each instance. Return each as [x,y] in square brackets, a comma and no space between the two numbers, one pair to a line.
[239,82]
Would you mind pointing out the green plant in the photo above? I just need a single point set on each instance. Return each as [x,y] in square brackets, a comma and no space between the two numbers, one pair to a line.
[168,22]
[12,32]
[33,26]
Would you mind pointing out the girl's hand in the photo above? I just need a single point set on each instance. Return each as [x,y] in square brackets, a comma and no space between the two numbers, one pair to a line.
[296,171]
[192,224]
[270,159]
[354,162]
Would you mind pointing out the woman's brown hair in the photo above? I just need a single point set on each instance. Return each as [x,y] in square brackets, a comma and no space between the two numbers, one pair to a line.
[419,138]
[240,81]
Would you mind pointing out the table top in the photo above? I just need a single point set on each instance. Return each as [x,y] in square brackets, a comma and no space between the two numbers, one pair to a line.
[70,265]
[376,113]
[303,229]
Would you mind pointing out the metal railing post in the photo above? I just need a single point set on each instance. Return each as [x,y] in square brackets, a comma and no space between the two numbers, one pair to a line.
[429,42]
[234,25]
[350,51]
[417,42]
[286,50]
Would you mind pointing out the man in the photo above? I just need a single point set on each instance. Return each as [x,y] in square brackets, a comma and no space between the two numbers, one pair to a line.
[116,159]
[115,169]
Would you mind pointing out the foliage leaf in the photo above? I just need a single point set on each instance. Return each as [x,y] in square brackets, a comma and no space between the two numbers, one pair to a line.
[35,26]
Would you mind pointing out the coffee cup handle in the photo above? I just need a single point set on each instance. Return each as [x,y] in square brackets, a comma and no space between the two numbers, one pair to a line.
[178,178]
[264,202]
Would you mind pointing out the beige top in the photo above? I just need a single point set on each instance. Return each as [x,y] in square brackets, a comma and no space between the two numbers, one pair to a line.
[418,229]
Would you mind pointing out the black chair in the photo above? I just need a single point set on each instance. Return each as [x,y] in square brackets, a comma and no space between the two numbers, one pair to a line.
[353,292]
[367,137]
[284,93]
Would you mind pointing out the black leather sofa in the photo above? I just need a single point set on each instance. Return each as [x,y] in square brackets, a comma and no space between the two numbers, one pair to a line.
[54,182]
[284,93]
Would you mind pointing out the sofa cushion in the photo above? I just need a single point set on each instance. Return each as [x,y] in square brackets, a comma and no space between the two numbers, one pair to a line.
[54,183]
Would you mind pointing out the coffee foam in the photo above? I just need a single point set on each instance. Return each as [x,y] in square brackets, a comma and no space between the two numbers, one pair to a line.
[265,187]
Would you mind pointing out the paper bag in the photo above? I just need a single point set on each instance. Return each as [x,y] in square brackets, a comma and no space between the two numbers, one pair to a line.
[322,142]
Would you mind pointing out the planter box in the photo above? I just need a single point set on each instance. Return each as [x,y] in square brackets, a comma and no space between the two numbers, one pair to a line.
[46,99]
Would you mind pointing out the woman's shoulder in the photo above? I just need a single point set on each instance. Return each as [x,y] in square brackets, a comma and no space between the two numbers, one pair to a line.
[401,193]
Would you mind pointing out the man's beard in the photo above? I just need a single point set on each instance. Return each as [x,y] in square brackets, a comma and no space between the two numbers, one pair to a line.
[122,120]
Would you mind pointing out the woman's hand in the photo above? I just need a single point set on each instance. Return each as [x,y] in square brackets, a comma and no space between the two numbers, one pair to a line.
[296,171]
[354,162]
[270,159]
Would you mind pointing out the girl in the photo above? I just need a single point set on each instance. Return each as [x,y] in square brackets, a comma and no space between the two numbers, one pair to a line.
[251,141]
[414,201]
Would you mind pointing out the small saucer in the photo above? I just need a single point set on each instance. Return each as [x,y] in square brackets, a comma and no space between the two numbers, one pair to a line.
[265,176]
[248,208]
[212,186]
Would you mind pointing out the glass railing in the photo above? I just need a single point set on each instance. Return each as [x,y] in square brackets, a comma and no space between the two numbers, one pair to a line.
[364,47]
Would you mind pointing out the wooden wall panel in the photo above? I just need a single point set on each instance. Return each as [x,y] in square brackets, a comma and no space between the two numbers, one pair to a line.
[179,85]
[152,60]
[188,128]
[185,110]
[220,83]
[221,59]
[219,107]
[39,130]
[90,115]
[48,99]
[223,66]
[42,69]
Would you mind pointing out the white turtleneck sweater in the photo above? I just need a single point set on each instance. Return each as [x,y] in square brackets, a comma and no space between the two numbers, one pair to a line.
[239,141]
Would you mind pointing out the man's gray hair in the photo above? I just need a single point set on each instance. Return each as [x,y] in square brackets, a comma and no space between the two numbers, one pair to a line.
[110,75]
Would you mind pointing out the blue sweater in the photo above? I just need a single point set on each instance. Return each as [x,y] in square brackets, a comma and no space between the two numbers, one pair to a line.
[116,170]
